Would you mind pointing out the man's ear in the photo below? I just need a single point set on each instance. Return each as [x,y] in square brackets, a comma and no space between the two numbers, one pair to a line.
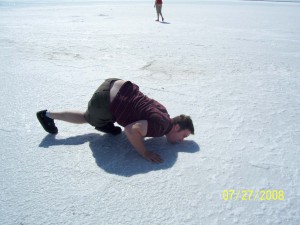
[176,127]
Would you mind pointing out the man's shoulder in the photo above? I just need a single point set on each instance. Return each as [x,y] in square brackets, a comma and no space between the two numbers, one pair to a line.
[158,124]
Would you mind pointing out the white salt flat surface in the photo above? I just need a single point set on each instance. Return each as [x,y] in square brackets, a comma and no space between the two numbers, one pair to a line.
[232,66]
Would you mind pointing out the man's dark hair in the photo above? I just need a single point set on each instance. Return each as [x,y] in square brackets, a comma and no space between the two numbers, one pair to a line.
[184,122]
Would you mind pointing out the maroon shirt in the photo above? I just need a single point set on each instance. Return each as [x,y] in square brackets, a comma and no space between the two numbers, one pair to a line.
[131,105]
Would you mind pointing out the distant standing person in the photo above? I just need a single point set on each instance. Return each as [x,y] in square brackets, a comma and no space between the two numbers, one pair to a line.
[158,6]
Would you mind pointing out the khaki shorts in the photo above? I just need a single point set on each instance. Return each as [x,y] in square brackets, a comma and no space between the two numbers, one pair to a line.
[158,8]
[98,114]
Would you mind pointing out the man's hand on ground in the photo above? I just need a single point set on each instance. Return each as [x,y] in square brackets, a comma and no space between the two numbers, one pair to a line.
[135,133]
[153,157]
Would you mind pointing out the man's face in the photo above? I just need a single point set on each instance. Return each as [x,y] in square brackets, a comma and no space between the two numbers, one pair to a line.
[178,136]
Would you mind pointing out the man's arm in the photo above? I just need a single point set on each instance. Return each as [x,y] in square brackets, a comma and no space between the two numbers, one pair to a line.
[135,133]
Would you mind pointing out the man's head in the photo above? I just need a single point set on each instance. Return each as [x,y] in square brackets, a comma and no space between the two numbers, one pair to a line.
[182,128]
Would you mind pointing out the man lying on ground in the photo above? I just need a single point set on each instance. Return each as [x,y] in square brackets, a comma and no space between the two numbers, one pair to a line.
[121,101]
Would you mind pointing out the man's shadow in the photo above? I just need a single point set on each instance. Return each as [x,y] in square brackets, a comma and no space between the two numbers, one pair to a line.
[115,155]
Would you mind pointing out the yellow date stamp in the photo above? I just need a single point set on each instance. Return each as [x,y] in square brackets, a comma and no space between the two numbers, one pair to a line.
[252,195]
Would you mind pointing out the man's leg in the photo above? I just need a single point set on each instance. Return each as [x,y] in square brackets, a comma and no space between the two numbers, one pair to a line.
[68,116]
[157,12]
[162,18]
[47,119]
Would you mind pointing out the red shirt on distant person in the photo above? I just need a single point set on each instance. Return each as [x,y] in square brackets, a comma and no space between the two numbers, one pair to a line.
[159,2]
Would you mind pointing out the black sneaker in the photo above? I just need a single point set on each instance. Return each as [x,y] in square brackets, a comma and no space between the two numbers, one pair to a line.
[47,123]
[110,128]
